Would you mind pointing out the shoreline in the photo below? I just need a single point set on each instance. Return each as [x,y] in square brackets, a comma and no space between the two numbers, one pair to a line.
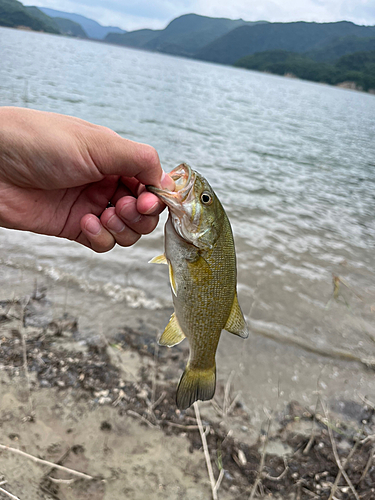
[106,405]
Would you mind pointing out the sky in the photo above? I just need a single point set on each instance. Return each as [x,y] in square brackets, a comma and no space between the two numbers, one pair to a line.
[156,14]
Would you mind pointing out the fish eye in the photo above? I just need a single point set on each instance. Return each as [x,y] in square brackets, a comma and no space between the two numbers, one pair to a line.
[206,198]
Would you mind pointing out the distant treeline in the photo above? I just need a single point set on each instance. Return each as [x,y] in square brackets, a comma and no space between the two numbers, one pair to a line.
[358,67]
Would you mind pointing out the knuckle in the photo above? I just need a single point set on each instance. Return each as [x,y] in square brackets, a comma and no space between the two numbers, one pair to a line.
[148,156]
[150,224]
[130,240]
[103,248]
[108,130]
[104,243]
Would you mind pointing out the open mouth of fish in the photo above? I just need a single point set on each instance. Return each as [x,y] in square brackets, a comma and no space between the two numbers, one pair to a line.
[184,178]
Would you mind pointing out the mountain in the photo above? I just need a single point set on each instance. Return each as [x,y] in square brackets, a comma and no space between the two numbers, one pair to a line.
[62,26]
[69,27]
[91,28]
[138,38]
[185,35]
[35,12]
[294,37]
[13,14]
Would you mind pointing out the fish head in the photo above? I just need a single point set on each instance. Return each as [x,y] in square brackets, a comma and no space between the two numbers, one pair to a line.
[195,210]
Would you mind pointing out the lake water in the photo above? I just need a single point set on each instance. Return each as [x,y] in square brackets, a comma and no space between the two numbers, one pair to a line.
[294,165]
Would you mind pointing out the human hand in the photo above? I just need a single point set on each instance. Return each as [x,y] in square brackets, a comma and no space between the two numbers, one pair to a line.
[59,173]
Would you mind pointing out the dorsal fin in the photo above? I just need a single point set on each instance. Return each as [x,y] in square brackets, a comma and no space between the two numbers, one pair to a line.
[236,323]
[172,334]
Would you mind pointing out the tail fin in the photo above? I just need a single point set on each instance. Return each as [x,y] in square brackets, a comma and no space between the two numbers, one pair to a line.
[194,385]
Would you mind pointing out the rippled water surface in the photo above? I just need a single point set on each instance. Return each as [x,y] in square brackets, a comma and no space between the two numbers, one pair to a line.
[294,165]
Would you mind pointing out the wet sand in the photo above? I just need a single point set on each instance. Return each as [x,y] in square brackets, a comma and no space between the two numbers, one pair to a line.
[105,406]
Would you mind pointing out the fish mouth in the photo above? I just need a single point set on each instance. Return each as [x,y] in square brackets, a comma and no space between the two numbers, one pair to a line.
[184,178]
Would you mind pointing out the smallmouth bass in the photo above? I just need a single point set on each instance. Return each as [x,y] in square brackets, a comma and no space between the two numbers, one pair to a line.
[199,250]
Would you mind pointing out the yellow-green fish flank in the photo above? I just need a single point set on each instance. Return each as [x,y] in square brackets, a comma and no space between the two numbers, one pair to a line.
[199,250]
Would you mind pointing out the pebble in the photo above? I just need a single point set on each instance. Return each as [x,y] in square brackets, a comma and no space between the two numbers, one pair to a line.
[242,457]
[103,400]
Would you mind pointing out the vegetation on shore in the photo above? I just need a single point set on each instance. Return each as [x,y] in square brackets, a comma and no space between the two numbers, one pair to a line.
[358,67]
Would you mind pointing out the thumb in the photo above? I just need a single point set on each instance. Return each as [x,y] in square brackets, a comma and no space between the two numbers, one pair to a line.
[114,155]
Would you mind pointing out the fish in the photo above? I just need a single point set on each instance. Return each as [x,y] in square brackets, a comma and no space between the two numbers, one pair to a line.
[199,251]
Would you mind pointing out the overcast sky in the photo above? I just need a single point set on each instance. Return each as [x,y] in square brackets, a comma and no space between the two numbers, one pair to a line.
[156,14]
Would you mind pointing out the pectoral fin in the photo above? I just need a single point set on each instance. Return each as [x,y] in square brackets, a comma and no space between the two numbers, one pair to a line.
[160,259]
[236,322]
[172,334]
[172,280]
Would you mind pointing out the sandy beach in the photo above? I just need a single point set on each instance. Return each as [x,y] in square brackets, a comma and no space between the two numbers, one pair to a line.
[104,406]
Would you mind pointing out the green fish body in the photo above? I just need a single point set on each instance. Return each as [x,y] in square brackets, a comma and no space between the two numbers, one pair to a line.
[199,250]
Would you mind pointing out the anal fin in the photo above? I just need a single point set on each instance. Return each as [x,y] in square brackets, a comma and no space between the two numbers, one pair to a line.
[159,259]
[172,334]
[236,323]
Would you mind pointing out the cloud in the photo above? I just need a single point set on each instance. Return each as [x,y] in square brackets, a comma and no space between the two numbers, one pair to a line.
[128,15]
[137,14]
[290,10]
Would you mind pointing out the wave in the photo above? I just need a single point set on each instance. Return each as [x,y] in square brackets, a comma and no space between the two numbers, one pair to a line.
[133,297]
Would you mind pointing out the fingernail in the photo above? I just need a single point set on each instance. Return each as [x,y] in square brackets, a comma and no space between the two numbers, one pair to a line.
[115,224]
[93,226]
[167,182]
[152,209]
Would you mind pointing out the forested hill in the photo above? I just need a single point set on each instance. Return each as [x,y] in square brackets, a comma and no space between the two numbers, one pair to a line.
[62,26]
[185,35]
[294,37]
[14,14]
